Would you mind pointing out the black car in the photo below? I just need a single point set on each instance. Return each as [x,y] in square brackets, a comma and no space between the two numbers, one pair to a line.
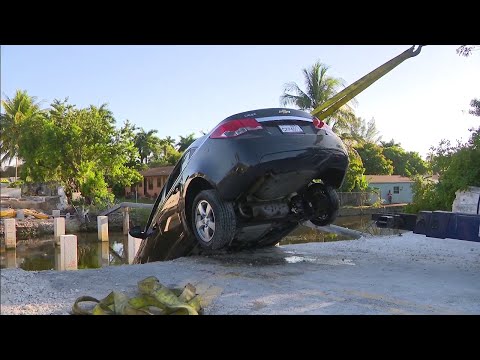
[249,182]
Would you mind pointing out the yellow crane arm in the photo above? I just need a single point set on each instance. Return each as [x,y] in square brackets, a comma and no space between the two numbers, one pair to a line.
[334,103]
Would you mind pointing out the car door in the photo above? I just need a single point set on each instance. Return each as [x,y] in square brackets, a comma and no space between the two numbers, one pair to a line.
[168,221]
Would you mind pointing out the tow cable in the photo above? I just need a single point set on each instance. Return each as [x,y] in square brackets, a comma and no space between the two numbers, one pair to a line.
[155,299]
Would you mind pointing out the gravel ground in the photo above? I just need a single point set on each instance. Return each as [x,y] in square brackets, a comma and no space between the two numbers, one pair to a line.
[408,274]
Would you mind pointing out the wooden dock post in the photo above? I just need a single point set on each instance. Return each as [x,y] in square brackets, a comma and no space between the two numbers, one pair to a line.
[102,223]
[10,233]
[58,228]
[68,252]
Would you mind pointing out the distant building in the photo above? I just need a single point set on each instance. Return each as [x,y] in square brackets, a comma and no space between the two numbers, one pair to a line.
[152,184]
[399,186]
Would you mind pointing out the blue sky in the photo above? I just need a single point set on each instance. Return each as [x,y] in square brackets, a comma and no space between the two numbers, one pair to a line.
[183,89]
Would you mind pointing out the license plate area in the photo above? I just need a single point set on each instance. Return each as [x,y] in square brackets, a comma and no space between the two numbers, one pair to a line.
[290,129]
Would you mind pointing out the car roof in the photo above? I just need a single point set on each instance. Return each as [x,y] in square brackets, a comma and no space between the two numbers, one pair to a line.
[269,112]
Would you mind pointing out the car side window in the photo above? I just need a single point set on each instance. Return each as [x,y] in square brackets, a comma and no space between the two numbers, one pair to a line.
[185,159]
[176,171]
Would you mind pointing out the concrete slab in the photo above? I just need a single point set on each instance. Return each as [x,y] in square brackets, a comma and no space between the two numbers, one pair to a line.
[408,274]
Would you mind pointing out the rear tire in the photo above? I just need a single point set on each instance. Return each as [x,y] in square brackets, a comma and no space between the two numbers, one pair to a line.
[213,220]
[325,201]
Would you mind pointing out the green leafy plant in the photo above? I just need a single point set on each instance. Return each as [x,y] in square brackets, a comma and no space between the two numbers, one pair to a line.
[16,184]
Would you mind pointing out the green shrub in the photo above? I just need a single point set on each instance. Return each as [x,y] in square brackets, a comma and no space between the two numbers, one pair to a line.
[16,184]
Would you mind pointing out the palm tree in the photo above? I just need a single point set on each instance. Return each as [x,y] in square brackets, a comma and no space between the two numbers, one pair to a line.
[21,108]
[185,142]
[166,142]
[146,143]
[319,87]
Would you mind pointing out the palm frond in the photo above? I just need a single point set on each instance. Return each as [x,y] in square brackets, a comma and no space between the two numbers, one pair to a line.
[319,87]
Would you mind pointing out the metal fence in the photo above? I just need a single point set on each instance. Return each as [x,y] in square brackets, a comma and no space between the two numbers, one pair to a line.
[358,198]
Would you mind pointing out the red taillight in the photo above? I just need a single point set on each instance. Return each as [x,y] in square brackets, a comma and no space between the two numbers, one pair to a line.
[235,128]
[318,123]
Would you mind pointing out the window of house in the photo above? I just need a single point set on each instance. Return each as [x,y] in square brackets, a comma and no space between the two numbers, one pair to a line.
[396,190]
[150,183]
[140,185]
[159,181]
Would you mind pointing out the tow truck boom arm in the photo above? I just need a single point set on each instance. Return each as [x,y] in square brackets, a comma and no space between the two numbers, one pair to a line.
[333,104]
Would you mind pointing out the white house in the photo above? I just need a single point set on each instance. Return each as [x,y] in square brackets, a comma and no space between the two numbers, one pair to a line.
[399,186]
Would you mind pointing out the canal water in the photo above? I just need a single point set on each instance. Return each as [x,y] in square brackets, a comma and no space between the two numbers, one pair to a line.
[43,254]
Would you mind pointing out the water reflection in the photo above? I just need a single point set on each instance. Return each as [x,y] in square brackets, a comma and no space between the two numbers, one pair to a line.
[43,254]
[304,234]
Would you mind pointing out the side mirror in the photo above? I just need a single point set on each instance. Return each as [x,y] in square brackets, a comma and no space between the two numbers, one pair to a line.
[137,232]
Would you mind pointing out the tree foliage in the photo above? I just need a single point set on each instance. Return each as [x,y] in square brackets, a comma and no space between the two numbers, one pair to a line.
[127,135]
[390,143]
[185,142]
[20,109]
[405,163]
[425,196]
[415,164]
[458,167]
[475,110]
[77,147]
[355,179]
[361,131]
[168,157]
[147,144]
[165,143]
[374,161]
[319,87]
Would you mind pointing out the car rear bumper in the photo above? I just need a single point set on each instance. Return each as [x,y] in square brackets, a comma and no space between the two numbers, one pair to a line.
[275,175]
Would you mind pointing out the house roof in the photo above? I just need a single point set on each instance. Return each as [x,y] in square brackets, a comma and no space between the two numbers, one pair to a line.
[387,179]
[158,171]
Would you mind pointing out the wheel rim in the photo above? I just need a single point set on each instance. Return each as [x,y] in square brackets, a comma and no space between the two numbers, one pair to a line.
[205,221]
